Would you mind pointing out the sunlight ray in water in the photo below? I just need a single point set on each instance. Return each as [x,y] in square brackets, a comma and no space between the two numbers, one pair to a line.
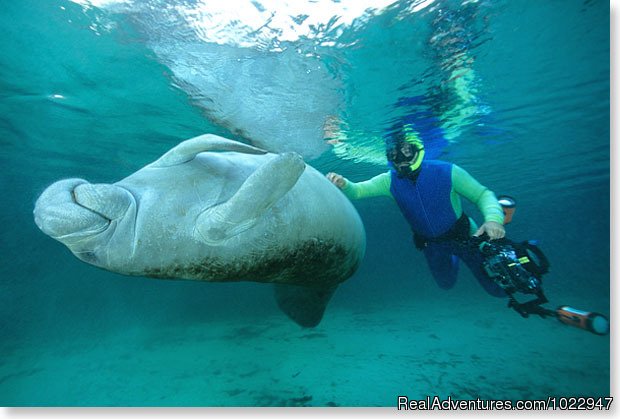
[290,59]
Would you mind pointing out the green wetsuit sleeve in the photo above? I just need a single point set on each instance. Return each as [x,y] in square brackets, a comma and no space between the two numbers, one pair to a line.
[465,185]
[376,186]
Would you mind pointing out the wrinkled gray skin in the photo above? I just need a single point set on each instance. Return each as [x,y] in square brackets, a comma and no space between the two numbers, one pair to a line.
[213,209]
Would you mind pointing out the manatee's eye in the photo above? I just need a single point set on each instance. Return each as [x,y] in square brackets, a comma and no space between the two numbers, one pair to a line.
[88,257]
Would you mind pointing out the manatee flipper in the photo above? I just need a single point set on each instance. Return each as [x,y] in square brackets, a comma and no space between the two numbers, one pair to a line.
[259,192]
[188,149]
[109,201]
[304,305]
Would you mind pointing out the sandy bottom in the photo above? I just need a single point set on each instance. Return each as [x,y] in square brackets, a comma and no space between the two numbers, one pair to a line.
[354,358]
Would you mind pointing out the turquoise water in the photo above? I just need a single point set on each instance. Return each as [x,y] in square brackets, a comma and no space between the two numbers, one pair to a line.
[521,90]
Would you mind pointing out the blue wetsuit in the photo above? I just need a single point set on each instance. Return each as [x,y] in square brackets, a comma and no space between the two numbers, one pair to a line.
[432,206]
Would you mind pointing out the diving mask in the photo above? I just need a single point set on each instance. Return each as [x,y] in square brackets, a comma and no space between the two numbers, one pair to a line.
[406,156]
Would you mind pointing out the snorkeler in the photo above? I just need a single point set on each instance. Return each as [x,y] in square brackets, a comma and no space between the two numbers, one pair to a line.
[428,193]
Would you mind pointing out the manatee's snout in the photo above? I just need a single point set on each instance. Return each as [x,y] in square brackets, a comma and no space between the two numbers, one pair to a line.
[58,215]
[72,209]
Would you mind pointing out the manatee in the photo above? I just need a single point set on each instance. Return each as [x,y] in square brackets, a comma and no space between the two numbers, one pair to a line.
[216,210]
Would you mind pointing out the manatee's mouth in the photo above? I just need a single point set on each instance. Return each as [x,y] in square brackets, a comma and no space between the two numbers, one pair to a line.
[77,201]
[97,223]
[101,222]
[60,213]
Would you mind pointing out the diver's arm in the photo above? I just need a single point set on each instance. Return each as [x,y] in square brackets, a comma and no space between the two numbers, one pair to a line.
[465,185]
[376,186]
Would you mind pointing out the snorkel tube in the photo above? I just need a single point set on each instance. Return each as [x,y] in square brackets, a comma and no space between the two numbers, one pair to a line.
[418,145]
[405,153]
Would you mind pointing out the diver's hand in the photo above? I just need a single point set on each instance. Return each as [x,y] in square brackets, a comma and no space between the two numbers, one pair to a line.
[494,230]
[336,179]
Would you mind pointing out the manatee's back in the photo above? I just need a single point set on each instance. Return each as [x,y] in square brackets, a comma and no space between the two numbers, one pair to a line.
[169,200]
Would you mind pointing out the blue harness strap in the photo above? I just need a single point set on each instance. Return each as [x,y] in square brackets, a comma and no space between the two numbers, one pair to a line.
[425,202]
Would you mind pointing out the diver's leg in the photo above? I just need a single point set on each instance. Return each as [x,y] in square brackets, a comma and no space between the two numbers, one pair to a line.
[473,259]
[443,264]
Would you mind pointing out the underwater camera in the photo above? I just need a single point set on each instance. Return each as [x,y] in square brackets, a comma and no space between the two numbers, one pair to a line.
[516,267]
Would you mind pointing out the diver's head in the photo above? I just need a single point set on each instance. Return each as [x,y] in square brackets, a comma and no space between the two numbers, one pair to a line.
[405,153]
